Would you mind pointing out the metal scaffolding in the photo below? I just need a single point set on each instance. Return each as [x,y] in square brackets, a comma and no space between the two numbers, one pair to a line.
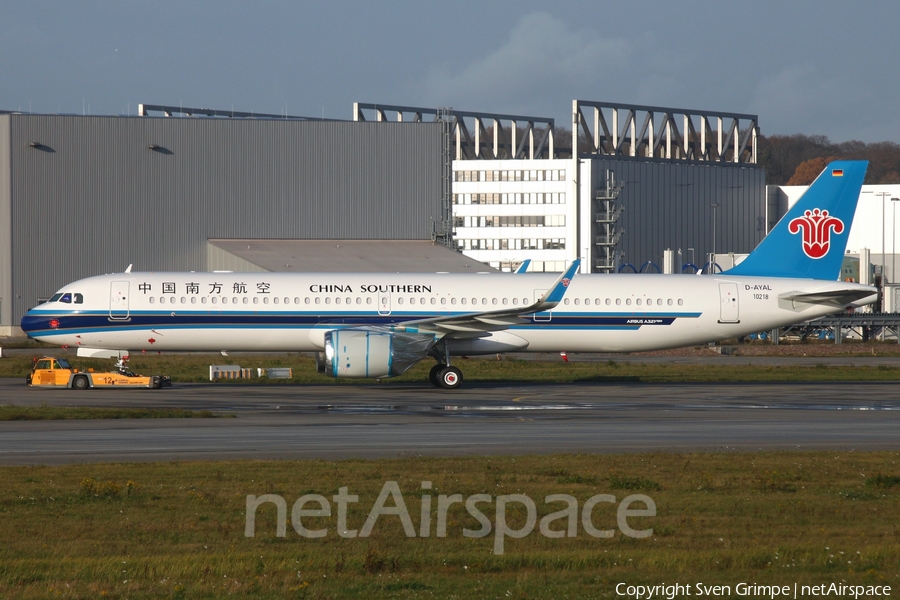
[655,132]
[476,135]
[607,232]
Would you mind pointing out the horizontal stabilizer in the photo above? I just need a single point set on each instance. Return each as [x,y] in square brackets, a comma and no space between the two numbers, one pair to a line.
[836,298]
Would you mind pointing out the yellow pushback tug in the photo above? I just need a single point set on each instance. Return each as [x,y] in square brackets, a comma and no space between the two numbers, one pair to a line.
[51,371]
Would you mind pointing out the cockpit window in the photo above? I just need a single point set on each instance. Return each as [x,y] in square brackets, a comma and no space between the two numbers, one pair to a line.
[55,298]
[63,363]
[67,298]
[79,298]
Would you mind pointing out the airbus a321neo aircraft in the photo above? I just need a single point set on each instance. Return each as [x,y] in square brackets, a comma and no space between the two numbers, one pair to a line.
[381,324]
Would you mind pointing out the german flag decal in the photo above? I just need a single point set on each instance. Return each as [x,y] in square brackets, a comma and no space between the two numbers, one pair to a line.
[837,173]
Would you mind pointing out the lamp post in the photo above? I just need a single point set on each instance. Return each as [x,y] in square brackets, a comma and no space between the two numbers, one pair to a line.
[714,205]
[883,223]
[894,240]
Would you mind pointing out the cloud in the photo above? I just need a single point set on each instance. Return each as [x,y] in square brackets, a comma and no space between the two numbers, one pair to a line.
[800,99]
[541,59]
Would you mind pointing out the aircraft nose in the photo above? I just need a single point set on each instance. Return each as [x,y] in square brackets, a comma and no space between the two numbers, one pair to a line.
[32,322]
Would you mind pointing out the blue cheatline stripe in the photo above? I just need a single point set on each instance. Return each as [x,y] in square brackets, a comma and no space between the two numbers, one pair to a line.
[92,323]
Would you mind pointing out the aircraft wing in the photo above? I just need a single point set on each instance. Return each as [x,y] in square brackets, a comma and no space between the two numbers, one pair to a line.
[474,323]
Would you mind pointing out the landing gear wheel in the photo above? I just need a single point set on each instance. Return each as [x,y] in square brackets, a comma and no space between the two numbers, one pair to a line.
[450,378]
[80,383]
[433,374]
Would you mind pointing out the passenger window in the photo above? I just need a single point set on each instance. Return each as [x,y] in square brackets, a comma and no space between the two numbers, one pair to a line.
[433,301]
[184,300]
[193,299]
[505,301]
[359,300]
[452,300]
[462,300]
[628,301]
[213,300]
[608,301]
[349,301]
[515,301]
[669,302]
[152,299]
[659,301]
[638,301]
[327,300]
[79,299]
[399,300]
[202,300]
[577,301]
[566,301]
[680,302]
[275,300]
[255,300]
[265,300]
[318,300]
[443,301]
[306,300]
[369,300]
[618,302]
[336,300]
[246,300]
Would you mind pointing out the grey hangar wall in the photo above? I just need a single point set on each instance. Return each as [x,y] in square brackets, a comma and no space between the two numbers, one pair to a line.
[84,195]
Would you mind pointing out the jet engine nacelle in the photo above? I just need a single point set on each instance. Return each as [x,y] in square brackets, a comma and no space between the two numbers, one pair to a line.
[372,353]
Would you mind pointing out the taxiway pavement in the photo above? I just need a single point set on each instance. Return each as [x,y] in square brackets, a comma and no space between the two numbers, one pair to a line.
[390,419]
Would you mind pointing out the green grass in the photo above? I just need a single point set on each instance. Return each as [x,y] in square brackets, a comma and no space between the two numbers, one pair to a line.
[43,413]
[176,530]
[185,368]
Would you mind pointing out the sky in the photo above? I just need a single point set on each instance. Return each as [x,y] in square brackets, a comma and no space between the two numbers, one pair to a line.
[813,67]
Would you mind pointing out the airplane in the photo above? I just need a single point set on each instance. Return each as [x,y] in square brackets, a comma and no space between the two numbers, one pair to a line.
[376,325]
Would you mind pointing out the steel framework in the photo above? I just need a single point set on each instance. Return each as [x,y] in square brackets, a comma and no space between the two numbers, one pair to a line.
[476,135]
[654,132]
[144,110]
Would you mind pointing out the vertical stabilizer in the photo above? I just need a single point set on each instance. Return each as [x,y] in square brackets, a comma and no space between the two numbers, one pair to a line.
[810,240]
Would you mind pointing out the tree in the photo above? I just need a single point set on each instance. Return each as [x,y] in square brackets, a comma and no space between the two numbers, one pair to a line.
[808,170]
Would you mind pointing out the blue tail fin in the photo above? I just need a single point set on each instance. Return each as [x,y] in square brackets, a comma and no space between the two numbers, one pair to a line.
[810,240]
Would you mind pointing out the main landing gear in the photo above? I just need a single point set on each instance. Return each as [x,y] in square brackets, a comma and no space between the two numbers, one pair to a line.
[443,375]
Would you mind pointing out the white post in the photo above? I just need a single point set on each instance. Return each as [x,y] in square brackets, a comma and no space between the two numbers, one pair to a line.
[668,261]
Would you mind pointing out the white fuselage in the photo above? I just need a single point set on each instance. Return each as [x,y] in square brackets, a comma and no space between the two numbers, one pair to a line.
[291,312]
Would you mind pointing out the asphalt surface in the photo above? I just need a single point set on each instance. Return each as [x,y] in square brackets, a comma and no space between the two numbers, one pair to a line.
[389,420]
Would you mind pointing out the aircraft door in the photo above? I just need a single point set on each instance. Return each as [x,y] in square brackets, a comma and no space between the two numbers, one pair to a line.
[384,303]
[118,301]
[543,316]
[728,303]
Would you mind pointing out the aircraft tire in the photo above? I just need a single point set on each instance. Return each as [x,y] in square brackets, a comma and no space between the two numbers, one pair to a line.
[80,383]
[433,374]
[450,378]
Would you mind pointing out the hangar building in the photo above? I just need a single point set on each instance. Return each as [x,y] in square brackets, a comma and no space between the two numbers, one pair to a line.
[85,195]
[198,189]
